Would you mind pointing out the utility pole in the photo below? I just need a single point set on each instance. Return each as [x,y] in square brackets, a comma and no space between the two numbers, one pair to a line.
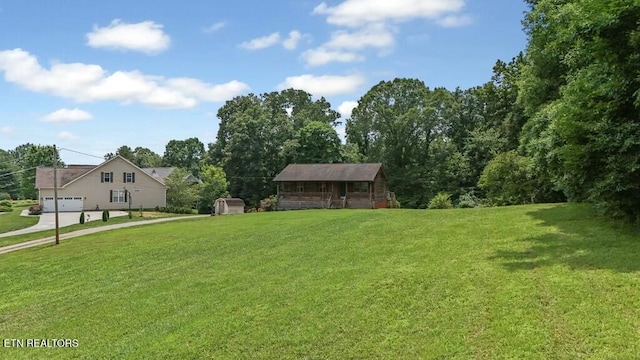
[55,191]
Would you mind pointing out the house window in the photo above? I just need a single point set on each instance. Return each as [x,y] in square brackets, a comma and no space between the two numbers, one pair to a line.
[300,187]
[118,196]
[361,187]
[323,187]
[129,177]
[106,177]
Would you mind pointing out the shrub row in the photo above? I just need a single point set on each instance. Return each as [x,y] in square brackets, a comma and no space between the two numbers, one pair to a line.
[174,210]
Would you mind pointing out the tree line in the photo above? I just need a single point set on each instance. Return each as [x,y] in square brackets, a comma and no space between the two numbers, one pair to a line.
[558,122]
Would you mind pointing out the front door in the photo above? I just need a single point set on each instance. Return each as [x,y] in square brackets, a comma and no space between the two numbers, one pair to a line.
[343,189]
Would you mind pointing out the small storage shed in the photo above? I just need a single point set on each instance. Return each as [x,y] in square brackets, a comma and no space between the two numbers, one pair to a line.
[224,206]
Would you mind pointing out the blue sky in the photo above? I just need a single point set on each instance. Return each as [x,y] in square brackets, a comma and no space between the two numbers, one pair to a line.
[92,76]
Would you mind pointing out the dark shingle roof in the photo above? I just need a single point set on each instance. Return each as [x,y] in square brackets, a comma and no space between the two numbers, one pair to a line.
[162,173]
[44,175]
[329,172]
[159,172]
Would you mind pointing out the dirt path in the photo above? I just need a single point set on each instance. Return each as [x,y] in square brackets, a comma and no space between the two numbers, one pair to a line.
[52,239]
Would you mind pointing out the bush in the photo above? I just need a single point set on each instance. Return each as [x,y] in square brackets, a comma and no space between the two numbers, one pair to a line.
[174,210]
[5,206]
[130,215]
[5,196]
[507,180]
[270,203]
[468,201]
[82,217]
[441,201]
[35,209]
[105,216]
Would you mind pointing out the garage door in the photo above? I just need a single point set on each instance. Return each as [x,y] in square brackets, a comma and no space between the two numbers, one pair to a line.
[65,203]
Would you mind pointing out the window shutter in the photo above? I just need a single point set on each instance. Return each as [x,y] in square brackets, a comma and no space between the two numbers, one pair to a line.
[125,195]
[124,177]
[111,177]
[102,177]
[133,177]
[110,195]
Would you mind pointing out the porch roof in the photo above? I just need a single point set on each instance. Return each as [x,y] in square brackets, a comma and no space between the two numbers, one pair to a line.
[329,172]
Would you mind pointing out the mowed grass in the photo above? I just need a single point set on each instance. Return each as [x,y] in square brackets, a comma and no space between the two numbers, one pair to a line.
[16,239]
[526,282]
[12,220]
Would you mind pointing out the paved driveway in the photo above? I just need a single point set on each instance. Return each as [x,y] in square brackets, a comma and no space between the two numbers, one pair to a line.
[48,222]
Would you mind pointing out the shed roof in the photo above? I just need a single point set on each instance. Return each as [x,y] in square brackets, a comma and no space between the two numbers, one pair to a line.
[329,172]
[233,201]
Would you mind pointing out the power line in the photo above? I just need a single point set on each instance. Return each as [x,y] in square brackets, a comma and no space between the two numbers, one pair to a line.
[82,153]
[16,172]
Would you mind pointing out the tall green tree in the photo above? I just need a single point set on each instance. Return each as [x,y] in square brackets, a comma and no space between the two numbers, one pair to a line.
[36,156]
[145,158]
[259,135]
[396,123]
[187,154]
[580,87]
[316,143]
[214,186]
[9,175]
[181,193]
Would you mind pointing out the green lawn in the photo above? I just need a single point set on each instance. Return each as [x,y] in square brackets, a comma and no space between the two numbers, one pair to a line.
[16,239]
[13,221]
[525,282]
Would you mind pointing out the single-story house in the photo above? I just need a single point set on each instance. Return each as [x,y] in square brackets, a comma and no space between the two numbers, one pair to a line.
[225,206]
[316,186]
[115,184]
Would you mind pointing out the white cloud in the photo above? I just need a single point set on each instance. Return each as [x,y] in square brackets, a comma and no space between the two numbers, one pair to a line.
[343,45]
[85,83]
[65,135]
[215,27]
[291,43]
[322,56]
[6,129]
[262,42]
[374,35]
[346,108]
[355,13]
[341,129]
[207,92]
[372,24]
[451,21]
[67,115]
[326,85]
[146,37]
